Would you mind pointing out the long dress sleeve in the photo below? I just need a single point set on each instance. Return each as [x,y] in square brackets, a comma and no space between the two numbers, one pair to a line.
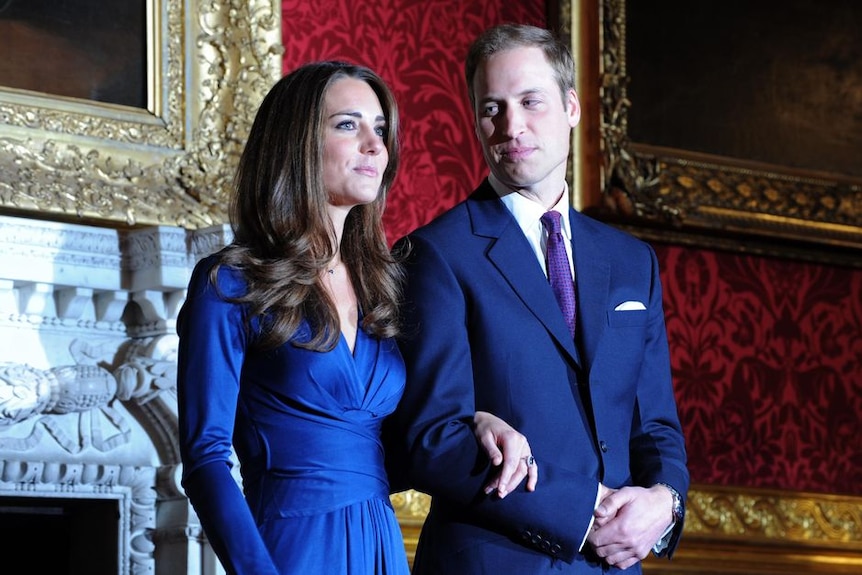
[212,346]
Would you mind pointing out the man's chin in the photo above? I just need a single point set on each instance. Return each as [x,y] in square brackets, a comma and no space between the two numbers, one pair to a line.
[514,179]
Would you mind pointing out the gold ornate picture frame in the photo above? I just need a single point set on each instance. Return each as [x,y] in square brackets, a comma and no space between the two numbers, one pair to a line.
[208,66]
[685,196]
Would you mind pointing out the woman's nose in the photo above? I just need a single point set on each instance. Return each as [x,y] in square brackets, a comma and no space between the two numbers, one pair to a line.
[372,143]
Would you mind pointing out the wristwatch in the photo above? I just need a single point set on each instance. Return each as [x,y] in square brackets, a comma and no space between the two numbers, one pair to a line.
[677,510]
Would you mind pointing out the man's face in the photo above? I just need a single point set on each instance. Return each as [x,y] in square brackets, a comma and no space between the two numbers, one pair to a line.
[522,122]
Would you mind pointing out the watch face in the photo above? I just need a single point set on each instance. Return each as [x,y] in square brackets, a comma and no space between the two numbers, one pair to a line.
[677,503]
[677,506]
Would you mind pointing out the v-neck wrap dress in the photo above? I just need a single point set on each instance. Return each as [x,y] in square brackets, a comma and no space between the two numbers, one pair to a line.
[306,429]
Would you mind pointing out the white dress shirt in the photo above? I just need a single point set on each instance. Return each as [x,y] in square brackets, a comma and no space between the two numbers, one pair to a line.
[528,214]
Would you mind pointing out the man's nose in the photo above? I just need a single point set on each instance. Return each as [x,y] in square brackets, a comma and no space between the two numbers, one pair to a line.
[512,124]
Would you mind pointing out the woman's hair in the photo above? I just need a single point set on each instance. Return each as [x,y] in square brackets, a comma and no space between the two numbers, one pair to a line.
[283,238]
[508,36]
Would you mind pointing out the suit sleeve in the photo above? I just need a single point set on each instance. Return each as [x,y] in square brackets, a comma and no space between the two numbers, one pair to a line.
[211,350]
[657,444]
[436,414]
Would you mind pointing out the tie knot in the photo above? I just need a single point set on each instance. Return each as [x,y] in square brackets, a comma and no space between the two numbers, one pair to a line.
[551,221]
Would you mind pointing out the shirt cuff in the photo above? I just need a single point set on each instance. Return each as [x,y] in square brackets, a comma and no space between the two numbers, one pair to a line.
[662,544]
[592,520]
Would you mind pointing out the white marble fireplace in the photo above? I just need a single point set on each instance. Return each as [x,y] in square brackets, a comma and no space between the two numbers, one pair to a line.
[88,397]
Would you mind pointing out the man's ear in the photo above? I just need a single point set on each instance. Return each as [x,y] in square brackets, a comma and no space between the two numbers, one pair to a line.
[573,108]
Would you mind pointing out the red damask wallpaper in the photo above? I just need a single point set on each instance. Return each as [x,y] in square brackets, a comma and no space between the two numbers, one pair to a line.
[766,353]
[767,360]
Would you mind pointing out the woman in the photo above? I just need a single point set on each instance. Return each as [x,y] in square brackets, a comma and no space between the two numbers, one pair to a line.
[286,341]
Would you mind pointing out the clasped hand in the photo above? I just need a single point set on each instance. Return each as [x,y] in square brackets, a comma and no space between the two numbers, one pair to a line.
[628,522]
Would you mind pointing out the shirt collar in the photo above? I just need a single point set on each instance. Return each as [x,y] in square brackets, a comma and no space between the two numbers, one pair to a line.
[528,213]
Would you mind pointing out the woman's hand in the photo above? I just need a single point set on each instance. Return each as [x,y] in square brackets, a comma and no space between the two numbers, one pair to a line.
[507,449]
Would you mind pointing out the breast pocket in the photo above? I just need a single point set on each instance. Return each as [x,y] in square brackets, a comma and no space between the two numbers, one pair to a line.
[631,318]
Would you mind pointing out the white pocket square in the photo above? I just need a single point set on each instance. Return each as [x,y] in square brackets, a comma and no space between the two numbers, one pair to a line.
[630,306]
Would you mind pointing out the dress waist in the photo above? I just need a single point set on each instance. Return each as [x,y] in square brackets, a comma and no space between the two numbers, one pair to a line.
[315,468]
[281,494]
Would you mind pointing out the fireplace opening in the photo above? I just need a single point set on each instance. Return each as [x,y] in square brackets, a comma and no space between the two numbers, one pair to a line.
[61,536]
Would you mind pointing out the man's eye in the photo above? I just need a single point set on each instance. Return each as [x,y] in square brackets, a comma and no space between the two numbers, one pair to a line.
[491,110]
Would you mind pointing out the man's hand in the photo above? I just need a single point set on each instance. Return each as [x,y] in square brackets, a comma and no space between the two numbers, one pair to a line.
[629,522]
[507,449]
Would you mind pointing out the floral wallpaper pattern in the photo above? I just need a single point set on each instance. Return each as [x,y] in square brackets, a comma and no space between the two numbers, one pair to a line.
[767,362]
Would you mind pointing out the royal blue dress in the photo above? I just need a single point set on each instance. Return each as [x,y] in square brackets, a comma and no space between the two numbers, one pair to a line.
[306,427]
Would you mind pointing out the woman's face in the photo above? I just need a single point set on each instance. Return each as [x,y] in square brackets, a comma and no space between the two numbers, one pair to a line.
[354,154]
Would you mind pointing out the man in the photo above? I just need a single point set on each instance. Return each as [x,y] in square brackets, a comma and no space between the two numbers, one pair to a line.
[486,333]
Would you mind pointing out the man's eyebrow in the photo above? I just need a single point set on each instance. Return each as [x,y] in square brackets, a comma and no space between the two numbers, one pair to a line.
[530,91]
[521,94]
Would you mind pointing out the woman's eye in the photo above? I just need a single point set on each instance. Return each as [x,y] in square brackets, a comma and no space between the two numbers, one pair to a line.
[380,131]
[346,125]
[491,110]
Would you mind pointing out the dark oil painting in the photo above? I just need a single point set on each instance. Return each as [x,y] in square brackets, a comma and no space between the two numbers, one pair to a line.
[772,81]
[87,49]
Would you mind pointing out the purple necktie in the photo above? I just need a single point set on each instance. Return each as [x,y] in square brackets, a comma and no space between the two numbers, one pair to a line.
[559,272]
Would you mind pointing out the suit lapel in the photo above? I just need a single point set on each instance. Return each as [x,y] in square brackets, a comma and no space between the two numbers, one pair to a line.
[511,254]
[592,285]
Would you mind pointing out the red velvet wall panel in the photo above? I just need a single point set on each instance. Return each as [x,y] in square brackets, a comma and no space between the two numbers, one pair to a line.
[767,361]
[418,47]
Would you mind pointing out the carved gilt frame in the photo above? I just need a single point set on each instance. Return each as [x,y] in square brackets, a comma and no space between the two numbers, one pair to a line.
[208,65]
[685,197]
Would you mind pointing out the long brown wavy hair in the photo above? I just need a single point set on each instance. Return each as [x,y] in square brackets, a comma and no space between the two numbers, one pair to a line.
[283,238]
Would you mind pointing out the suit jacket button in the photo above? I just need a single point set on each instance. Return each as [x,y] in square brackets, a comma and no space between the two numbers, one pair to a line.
[603,446]
[526,535]
[536,540]
[555,549]
[546,545]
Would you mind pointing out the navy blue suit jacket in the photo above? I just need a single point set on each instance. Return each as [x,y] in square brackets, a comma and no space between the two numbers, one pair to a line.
[484,332]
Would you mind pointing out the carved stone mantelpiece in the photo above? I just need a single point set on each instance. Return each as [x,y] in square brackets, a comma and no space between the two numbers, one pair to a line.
[88,377]
[87,312]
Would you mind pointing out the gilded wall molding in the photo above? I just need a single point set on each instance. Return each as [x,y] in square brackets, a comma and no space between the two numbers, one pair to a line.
[209,65]
[745,530]
[785,517]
